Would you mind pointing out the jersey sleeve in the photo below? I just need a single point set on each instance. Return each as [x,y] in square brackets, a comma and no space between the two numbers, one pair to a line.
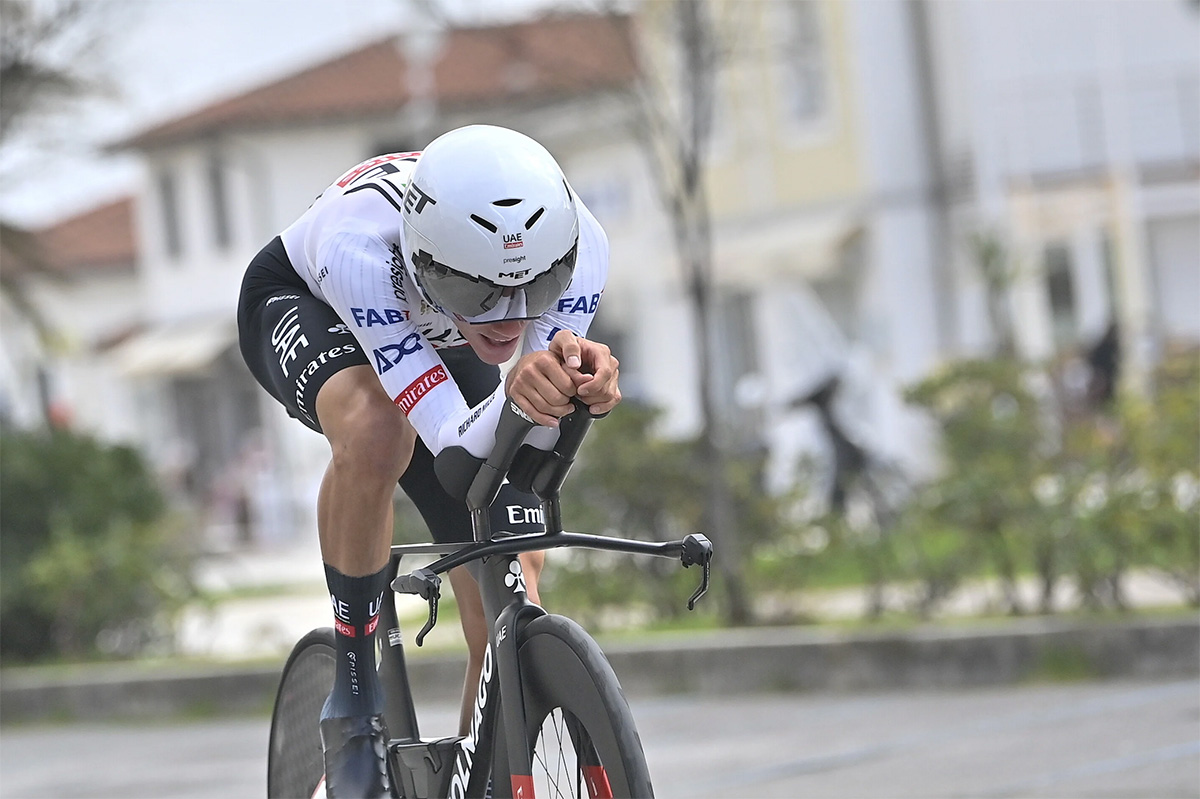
[358,278]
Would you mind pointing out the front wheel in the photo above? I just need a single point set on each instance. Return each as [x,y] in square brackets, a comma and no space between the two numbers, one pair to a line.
[581,732]
[295,763]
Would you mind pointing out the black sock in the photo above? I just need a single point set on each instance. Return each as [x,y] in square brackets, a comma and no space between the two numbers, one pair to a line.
[356,604]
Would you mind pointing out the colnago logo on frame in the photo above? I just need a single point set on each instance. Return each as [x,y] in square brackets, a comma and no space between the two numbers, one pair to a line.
[515,579]
[417,389]
[465,757]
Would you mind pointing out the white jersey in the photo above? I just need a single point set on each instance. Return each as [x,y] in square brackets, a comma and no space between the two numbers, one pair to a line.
[348,248]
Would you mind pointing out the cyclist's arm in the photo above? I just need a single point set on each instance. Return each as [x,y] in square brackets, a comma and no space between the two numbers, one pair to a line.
[563,329]
[575,310]
[357,285]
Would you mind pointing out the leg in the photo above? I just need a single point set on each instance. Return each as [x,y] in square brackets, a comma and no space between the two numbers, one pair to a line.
[371,443]
[298,350]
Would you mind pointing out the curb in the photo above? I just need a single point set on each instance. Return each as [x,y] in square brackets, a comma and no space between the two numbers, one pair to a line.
[1006,653]
[737,661]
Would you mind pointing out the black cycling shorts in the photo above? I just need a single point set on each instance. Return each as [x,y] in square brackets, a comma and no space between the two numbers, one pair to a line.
[293,342]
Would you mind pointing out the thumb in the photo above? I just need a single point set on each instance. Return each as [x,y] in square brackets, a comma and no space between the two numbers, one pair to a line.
[567,344]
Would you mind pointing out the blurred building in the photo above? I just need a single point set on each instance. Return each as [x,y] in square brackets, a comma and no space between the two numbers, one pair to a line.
[78,281]
[861,155]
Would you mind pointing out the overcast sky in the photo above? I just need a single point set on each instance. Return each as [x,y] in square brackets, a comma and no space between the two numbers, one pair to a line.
[168,56]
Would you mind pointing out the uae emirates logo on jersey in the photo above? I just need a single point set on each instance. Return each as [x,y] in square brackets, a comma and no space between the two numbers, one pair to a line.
[418,388]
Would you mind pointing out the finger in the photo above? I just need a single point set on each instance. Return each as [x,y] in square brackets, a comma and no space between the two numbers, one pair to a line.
[597,360]
[536,392]
[604,407]
[542,368]
[549,400]
[605,374]
[603,394]
[539,418]
[566,346]
[548,377]
[545,410]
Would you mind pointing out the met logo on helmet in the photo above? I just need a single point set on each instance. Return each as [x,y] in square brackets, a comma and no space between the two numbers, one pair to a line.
[415,200]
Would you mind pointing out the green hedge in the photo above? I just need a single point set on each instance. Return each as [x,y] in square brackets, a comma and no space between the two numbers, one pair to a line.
[88,565]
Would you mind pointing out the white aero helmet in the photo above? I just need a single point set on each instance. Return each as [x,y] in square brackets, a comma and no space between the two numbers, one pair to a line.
[490,226]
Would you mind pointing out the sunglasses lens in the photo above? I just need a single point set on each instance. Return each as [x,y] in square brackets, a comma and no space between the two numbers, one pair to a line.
[471,297]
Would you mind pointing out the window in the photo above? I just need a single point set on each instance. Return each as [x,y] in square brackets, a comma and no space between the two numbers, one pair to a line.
[219,201]
[168,200]
[802,57]
[1060,289]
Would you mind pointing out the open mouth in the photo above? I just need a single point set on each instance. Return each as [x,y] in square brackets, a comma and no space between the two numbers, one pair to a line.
[499,342]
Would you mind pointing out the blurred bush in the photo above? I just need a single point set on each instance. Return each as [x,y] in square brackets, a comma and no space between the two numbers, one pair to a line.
[1035,480]
[629,482]
[88,563]
[995,445]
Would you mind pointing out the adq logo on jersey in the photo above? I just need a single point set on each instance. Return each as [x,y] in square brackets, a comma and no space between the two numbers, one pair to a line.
[512,241]
[390,355]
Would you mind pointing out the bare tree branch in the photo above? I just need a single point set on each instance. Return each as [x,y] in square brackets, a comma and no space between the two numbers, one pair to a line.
[47,63]
[47,58]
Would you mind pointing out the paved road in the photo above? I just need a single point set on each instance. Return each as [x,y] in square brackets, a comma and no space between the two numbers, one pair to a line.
[1102,740]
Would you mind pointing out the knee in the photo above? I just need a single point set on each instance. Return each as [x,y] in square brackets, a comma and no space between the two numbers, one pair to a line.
[373,438]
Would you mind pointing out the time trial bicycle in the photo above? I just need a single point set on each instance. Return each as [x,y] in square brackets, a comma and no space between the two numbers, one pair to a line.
[549,716]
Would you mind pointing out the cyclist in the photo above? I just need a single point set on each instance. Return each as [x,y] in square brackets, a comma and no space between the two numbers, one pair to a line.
[379,319]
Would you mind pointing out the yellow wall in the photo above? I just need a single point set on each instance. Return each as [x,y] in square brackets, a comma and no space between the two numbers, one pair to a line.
[803,167]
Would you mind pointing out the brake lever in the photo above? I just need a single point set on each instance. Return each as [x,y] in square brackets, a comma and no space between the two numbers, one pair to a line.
[427,585]
[697,549]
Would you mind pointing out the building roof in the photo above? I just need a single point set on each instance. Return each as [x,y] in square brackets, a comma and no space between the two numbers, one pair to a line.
[539,59]
[101,239]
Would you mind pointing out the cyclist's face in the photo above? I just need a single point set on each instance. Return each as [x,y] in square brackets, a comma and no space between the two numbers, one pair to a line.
[494,342]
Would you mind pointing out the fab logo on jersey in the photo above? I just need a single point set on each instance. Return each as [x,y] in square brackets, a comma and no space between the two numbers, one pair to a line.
[369,317]
[579,304]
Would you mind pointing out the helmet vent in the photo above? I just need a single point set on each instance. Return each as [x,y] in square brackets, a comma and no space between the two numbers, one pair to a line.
[506,203]
[536,215]
[483,223]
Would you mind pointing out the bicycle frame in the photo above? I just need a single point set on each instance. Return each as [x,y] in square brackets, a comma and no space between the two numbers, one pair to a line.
[457,766]
[460,766]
